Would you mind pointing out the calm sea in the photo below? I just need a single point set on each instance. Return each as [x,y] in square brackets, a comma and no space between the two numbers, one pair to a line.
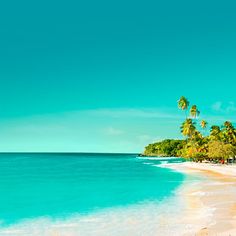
[61,187]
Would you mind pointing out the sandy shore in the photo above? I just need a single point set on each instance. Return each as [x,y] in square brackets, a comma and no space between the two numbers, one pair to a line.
[204,205]
[211,201]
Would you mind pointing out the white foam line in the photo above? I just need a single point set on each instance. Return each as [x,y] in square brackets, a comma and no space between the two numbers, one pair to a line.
[147,219]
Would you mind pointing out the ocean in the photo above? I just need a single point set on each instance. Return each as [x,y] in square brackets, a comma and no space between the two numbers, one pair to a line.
[84,194]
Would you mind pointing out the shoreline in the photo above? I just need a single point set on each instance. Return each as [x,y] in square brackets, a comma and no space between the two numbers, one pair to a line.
[204,204]
[219,169]
[211,201]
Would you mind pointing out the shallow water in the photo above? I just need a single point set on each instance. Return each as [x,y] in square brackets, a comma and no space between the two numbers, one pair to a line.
[69,188]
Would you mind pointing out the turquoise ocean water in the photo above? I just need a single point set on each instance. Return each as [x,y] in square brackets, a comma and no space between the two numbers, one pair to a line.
[60,186]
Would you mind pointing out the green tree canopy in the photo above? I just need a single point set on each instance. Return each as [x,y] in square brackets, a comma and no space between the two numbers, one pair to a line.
[220,150]
[167,147]
[188,127]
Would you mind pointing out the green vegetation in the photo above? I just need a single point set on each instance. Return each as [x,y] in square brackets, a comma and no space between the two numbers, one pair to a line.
[218,146]
[168,147]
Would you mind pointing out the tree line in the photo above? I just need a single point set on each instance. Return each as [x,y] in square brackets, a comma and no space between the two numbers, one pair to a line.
[219,145]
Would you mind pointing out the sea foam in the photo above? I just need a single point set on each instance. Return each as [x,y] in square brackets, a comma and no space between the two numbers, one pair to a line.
[140,219]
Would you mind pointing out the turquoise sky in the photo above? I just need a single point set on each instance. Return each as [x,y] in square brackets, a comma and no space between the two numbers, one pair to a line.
[105,76]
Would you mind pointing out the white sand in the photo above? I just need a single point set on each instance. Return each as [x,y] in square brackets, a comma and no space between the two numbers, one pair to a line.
[228,170]
[215,193]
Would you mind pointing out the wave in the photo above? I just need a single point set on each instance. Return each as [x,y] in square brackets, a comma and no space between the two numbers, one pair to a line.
[159,158]
[148,218]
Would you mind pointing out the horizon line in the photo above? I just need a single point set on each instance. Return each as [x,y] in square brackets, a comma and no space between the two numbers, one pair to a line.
[70,153]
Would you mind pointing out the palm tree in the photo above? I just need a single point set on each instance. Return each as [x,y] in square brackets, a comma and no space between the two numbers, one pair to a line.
[228,125]
[194,112]
[204,124]
[188,128]
[197,136]
[229,133]
[215,133]
[183,104]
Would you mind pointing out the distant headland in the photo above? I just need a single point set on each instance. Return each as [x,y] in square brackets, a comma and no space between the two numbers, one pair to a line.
[217,144]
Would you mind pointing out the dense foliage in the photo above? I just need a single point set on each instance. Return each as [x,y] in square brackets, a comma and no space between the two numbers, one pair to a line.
[218,145]
[168,147]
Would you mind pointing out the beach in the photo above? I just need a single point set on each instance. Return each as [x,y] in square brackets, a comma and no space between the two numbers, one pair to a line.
[210,202]
[104,194]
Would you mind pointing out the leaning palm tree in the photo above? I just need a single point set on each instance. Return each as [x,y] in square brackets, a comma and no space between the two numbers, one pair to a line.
[194,112]
[183,104]
[188,128]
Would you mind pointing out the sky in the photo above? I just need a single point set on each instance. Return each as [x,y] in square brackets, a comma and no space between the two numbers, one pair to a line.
[105,76]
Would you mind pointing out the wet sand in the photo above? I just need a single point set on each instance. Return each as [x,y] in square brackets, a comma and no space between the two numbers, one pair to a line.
[211,201]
